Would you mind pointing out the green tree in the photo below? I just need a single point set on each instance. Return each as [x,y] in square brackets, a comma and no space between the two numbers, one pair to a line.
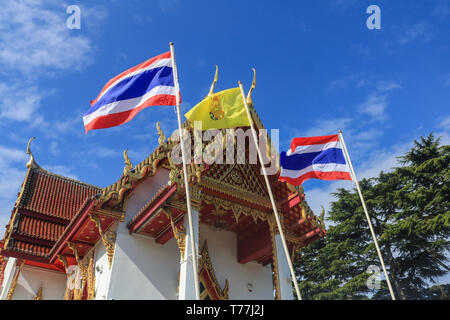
[410,211]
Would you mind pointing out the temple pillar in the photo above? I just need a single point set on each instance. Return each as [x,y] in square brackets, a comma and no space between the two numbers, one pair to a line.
[186,289]
[284,274]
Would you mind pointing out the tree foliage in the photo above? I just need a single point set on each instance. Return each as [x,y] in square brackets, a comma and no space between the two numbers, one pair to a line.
[409,208]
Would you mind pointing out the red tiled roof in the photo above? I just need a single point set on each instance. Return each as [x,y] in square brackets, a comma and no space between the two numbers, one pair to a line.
[28,248]
[37,228]
[47,205]
[54,195]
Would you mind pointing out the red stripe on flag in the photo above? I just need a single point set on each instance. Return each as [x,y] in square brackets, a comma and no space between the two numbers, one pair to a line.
[139,66]
[332,175]
[117,119]
[312,140]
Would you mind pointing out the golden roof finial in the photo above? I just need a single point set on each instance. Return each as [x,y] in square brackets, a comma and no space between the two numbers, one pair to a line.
[216,76]
[31,161]
[249,95]
[162,136]
[128,164]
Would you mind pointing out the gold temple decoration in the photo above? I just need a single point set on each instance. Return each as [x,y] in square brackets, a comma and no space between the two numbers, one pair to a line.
[162,136]
[108,238]
[91,278]
[205,263]
[82,265]
[273,231]
[31,162]
[39,294]
[236,208]
[179,234]
[249,94]
[63,260]
[14,282]
[216,77]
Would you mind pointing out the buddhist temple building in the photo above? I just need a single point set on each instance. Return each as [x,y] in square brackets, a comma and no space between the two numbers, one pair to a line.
[67,239]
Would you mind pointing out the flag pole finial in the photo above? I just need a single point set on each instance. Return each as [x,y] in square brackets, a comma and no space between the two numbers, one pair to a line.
[216,76]
[249,94]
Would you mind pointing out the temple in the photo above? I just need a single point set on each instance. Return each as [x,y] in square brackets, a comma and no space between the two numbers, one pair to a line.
[67,239]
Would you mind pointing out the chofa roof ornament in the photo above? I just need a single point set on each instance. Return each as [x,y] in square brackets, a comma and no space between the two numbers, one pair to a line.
[216,77]
[31,162]
[249,95]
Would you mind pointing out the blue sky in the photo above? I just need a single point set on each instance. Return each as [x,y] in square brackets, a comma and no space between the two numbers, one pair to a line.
[319,69]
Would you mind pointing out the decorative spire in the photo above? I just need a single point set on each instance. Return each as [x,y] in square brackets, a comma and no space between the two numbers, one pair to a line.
[216,76]
[31,162]
[162,136]
[128,164]
[249,95]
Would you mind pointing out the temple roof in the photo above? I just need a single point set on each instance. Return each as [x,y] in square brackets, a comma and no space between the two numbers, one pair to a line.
[45,206]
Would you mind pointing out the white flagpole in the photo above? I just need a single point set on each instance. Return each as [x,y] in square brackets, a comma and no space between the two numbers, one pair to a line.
[186,182]
[341,137]
[272,200]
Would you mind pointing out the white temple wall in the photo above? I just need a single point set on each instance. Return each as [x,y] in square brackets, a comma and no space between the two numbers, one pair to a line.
[222,248]
[102,270]
[8,277]
[30,280]
[142,268]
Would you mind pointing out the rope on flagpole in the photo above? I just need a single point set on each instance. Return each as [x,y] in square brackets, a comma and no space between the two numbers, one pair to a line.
[272,200]
[186,182]
[341,137]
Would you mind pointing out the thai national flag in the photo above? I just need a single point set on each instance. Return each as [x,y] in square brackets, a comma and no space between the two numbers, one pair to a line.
[314,157]
[150,83]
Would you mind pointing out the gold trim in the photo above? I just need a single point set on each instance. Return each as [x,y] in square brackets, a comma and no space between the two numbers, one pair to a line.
[179,234]
[205,262]
[236,208]
[108,238]
[14,282]
[38,296]
[273,232]
[83,266]
[233,191]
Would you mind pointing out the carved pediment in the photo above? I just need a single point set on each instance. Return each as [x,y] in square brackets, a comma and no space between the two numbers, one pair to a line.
[238,180]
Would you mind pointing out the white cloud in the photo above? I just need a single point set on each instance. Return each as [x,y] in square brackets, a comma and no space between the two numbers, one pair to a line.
[447,80]
[409,33]
[61,170]
[18,102]
[34,37]
[374,106]
[11,179]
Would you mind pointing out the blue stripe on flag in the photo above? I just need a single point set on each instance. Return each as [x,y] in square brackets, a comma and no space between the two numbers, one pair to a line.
[136,86]
[303,160]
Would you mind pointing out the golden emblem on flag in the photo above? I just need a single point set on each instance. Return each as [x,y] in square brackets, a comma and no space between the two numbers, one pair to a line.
[216,110]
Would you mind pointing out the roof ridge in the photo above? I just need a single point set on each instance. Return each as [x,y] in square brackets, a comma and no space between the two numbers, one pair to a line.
[66,178]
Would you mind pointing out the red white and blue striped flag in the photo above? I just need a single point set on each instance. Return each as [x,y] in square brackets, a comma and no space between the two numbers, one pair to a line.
[150,83]
[314,157]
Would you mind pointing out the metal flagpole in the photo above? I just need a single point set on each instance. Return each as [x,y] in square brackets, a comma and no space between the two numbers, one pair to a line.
[186,183]
[272,200]
[341,137]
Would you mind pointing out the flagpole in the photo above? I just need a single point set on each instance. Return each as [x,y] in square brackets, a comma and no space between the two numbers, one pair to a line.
[186,182]
[272,200]
[341,137]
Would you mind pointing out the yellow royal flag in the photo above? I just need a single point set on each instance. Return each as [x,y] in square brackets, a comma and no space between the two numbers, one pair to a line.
[224,109]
